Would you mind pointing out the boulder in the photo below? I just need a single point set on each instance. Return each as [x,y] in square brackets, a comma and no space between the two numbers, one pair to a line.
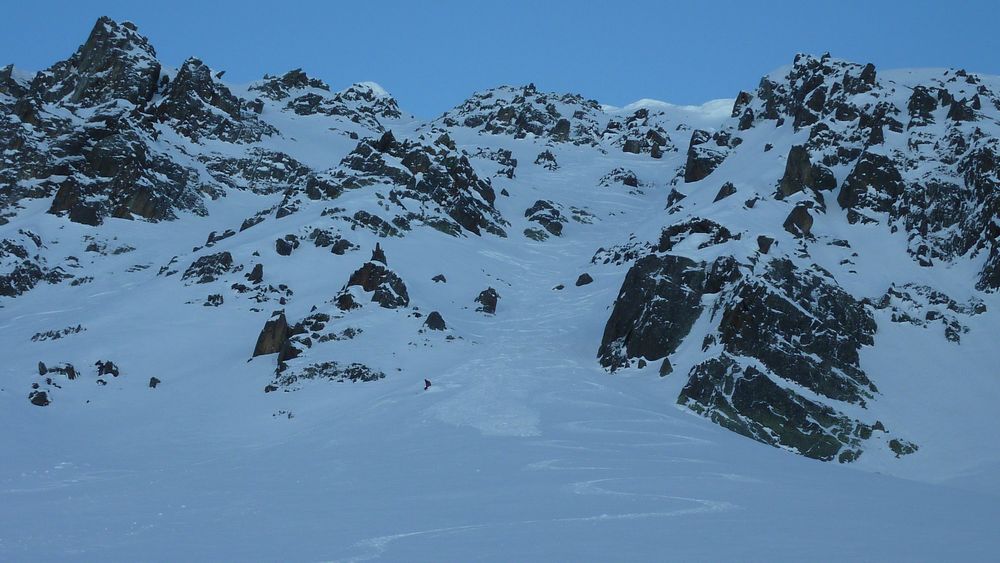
[584,279]
[39,398]
[764,244]
[487,300]
[799,222]
[435,321]
[257,274]
[725,191]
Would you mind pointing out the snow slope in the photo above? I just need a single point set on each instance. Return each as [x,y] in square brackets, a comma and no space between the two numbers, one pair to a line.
[524,447]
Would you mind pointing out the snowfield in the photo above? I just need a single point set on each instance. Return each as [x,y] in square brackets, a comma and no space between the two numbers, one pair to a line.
[524,448]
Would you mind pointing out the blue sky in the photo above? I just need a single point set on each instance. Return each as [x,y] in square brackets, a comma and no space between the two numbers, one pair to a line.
[432,55]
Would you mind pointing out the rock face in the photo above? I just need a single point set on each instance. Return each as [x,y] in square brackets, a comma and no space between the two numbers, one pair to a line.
[705,153]
[273,337]
[659,302]
[800,173]
[797,324]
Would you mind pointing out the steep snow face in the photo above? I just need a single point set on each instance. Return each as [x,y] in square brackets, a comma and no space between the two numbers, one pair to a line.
[280,322]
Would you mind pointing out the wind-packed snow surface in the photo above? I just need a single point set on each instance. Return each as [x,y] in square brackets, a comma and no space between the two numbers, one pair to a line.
[289,419]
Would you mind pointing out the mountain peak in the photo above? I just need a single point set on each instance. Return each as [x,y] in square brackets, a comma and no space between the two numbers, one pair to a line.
[115,62]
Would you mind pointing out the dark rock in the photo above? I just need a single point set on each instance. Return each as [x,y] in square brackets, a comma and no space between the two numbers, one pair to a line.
[798,172]
[920,106]
[560,131]
[678,232]
[208,268]
[657,305]
[42,370]
[378,255]
[873,184]
[439,279]
[114,63]
[547,215]
[746,401]
[584,279]
[764,244]
[272,337]
[902,447]
[435,321]
[547,160]
[702,159]
[725,191]
[666,368]
[257,274]
[804,328]
[285,246]
[39,398]
[387,289]
[104,368]
[960,111]
[346,302]
[153,382]
[330,371]
[799,222]
[487,300]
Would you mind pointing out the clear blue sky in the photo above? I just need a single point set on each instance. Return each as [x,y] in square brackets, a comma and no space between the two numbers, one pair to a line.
[432,55]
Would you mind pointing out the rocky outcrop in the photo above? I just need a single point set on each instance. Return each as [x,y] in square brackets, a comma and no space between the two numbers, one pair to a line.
[435,178]
[546,214]
[22,265]
[207,269]
[273,337]
[523,111]
[794,325]
[658,303]
[799,222]
[329,371]
[487,300]
[800,173]
[745,400]
[435,321]
[387,289]
[115,62]
[874,184]
[200,107]
[705,153]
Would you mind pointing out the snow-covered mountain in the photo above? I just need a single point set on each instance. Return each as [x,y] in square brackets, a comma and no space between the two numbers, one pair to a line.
[220,303]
